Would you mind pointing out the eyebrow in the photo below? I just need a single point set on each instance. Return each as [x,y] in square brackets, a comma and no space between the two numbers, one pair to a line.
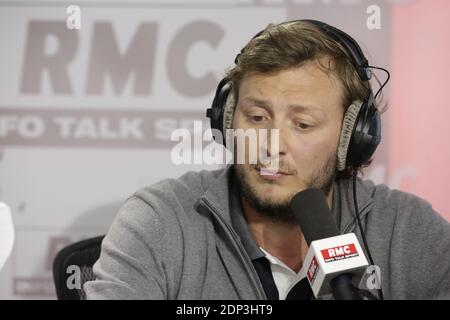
[299,108]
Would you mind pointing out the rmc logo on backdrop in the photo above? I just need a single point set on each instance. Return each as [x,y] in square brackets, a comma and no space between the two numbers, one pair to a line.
[107,62]
[50,51]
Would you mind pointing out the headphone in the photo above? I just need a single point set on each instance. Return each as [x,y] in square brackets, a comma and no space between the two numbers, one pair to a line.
[361,127]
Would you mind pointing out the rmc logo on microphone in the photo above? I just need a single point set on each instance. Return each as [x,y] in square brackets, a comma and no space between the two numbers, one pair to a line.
[339,253]
[312,270]
[329,257]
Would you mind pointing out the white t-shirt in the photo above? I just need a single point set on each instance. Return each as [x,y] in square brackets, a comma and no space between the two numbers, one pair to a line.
[285,278]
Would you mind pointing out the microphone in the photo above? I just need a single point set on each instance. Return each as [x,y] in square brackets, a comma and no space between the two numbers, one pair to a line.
[6,233]
[332,259]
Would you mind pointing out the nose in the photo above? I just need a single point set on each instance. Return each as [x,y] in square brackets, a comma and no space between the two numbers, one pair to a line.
[276,142]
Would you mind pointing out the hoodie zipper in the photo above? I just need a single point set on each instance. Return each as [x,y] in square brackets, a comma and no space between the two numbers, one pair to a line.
[243,254]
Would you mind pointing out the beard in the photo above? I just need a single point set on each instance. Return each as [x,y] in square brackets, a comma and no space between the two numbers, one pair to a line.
[279,211]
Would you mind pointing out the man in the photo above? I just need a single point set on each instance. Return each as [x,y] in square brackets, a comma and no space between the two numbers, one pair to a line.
[230,234]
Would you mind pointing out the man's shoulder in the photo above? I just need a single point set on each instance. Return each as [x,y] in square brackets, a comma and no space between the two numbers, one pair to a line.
[173,197]
[391,196]
[158,207]
[388,199]
[190,185]
[405,234]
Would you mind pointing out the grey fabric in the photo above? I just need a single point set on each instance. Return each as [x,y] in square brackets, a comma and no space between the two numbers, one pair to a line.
[175,240]
[239,223]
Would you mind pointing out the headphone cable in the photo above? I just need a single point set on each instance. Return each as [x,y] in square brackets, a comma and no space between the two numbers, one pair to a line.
[385,81]
[363,235]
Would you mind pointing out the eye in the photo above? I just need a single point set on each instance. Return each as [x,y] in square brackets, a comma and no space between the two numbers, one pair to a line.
[304,126]
[258,118]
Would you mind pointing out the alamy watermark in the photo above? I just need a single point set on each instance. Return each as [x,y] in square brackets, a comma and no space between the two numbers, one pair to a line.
[74,279]
[250,146]
[373,281]
[73,21]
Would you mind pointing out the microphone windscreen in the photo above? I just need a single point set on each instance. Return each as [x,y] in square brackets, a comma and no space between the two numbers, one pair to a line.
[313,215]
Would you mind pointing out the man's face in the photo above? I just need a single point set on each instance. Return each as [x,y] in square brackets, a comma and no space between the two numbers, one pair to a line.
[305,105]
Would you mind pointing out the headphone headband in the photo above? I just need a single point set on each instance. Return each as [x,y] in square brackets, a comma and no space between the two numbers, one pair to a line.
[358,60]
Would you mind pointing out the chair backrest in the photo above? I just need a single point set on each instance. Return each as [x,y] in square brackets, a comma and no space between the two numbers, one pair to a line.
[72,267]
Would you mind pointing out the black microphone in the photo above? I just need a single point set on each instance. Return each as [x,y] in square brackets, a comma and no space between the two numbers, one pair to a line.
[332,259]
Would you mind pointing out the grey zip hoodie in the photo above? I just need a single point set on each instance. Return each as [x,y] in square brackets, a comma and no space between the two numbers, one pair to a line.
[175,240]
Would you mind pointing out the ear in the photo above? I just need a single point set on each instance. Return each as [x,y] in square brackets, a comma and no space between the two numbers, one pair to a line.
[346,133]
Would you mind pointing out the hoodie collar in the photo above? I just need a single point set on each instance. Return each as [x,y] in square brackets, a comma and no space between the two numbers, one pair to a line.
[218,194]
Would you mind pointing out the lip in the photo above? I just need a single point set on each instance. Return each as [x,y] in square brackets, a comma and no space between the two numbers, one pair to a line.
[271,175]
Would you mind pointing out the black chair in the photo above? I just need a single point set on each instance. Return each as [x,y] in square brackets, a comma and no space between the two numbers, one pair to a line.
[76,259]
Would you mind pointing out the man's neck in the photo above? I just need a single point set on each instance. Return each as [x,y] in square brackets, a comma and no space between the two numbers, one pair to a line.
[282,240]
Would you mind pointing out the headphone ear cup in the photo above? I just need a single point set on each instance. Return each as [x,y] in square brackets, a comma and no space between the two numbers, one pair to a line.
[218,107]
[348,125]
[228,111]
[366,136]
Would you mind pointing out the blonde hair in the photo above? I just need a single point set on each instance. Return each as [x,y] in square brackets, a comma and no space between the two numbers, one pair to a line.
[286,45]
